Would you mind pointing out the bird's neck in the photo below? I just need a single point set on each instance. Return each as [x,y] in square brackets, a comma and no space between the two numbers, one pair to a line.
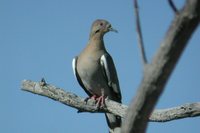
[96,42]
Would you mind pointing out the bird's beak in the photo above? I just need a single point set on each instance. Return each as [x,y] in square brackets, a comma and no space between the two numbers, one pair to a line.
[112,29]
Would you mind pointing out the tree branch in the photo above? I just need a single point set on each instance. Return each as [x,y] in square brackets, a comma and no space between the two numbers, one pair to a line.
[72,100]
[139,34]
[171,3]
[161,67]
[179,112]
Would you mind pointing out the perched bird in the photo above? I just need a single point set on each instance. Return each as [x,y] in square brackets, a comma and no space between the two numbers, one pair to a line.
[95,71]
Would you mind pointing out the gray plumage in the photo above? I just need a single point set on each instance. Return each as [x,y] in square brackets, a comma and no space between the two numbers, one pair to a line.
[95,70]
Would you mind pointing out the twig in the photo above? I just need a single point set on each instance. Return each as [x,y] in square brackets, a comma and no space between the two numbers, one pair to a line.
[171,3]
[72,100]
[139,34]
[161,67]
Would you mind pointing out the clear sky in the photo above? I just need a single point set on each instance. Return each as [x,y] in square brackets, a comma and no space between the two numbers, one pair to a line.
[39,38]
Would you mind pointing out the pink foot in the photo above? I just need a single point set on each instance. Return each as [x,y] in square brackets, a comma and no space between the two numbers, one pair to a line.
[94,97]
[100,101]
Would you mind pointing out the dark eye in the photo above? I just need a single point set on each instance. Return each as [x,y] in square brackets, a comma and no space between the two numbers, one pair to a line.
[101,24]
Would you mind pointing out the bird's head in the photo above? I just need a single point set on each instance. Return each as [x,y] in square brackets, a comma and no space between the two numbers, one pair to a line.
[100,27]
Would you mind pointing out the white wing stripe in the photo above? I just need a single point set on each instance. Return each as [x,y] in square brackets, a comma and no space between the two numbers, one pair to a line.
[74,66]
[104,64]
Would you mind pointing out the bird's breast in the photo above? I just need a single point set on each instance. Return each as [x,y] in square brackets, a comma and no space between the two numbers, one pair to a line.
[88,68]
[90,72]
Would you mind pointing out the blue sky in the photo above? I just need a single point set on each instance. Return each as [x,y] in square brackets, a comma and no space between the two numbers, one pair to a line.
[39,38]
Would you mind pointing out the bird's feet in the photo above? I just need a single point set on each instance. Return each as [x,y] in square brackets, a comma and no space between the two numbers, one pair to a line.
[94,97]
[99,100]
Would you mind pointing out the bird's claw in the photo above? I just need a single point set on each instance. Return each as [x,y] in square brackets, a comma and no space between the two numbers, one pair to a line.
[94,97]
[99,100]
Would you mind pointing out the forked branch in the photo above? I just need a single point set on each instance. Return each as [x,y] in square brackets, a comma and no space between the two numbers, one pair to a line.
[159,70]
[172,5]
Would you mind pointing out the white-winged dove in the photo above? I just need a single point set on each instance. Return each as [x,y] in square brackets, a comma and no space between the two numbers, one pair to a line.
[96,73]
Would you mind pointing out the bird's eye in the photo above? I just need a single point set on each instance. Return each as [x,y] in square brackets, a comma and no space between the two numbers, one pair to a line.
[101,24]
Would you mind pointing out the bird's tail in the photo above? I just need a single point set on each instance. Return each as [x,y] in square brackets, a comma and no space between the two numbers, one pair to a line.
[114,123]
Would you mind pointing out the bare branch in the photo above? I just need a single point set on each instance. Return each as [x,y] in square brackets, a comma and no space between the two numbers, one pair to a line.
[72,100]
[139,34]
[179,112]
[161,67]
[171,3]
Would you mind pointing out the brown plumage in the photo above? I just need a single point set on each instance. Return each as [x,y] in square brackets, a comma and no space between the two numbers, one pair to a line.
[96,73]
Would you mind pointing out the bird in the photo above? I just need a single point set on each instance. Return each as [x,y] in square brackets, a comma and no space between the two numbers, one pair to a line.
[95,71]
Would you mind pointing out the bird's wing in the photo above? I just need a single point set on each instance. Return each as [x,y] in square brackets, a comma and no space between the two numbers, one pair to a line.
[111,75]
[74,67]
